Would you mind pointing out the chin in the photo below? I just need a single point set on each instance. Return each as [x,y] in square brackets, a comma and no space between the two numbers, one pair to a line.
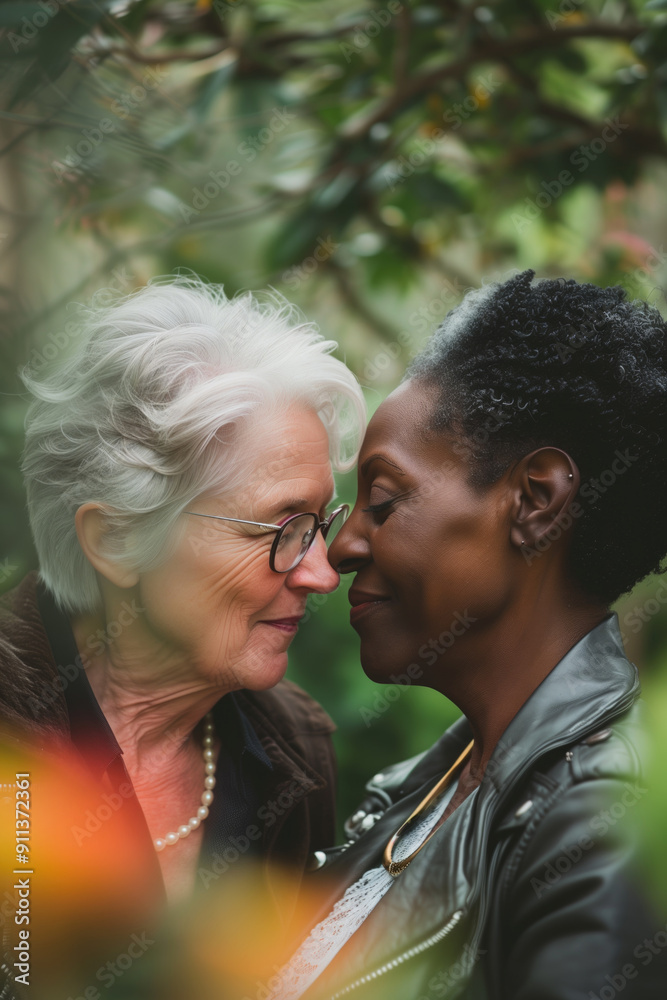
[384,662]
[377,667]
[271,673]
[375,673]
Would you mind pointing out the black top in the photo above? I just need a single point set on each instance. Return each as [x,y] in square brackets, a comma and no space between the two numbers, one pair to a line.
[242,768]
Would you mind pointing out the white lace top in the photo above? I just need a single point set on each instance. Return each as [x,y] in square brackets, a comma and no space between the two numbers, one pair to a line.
[360,899]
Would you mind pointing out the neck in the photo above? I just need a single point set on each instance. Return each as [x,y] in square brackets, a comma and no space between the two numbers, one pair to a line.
[503,665]
[149,694]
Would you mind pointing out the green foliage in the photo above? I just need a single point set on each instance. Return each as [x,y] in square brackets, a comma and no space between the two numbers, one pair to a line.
[651,818]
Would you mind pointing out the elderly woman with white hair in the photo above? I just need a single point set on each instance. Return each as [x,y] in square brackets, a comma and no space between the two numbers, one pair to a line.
[178,465]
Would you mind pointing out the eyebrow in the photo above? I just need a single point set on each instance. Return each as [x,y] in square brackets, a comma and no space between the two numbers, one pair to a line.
[381,458]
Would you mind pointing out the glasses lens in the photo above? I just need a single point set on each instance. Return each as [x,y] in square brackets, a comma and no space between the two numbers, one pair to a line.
[293,542]
[336,524]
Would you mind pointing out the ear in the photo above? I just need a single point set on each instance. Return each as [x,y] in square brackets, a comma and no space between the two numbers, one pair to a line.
[93,530]
[546,483]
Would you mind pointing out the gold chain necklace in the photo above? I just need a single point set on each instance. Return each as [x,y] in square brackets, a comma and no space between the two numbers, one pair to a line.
[396,867]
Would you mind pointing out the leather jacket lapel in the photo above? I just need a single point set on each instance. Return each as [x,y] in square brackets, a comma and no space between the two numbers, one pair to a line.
[593,681]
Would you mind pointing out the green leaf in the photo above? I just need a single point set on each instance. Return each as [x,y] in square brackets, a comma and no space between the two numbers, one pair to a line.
[390,267]
[53,44]
[337,190]
[211,89]
[572,59]
[434,192]
[12,14]
[298,239]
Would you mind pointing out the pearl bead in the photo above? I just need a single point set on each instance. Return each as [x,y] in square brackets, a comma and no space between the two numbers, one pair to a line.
[207,796]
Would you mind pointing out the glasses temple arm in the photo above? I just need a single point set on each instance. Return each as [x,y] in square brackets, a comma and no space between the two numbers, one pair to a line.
[237,520]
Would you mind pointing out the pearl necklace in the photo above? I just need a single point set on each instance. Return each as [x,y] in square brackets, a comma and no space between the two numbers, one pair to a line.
[207,796]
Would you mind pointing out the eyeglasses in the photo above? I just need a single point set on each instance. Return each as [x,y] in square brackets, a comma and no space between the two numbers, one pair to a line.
[294,536]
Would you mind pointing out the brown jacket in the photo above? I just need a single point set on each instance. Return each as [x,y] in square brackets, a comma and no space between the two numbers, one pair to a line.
[293,730]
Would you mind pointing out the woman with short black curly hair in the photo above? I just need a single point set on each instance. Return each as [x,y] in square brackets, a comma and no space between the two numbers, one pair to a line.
[509,490]
[557,362]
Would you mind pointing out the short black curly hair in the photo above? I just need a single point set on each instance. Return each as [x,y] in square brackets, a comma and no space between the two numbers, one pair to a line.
[519,365]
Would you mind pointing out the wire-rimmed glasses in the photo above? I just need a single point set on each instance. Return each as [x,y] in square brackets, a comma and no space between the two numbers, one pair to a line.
[294,536]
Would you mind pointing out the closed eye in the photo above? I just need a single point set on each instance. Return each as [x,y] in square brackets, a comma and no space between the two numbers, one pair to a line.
[375,508]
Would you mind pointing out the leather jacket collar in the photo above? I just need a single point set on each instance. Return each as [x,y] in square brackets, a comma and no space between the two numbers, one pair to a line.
[592,683]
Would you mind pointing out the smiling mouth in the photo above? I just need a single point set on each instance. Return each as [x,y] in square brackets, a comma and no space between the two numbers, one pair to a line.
[287,625]
[364,604]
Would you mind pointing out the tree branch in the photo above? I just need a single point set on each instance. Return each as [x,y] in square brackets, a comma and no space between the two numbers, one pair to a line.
[402,50]
[132,54]
[488,51]
[148,59]
[356,304]
[153,243]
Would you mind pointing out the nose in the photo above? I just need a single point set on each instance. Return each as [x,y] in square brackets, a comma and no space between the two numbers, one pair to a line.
[349,550]
[314,572]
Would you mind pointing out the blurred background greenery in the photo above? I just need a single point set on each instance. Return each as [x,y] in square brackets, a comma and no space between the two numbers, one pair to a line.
[372,159]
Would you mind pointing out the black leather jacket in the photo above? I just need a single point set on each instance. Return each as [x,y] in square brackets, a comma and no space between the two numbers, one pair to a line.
[528,891]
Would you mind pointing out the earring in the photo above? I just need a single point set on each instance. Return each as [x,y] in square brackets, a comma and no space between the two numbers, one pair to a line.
[522,542]
[569,475]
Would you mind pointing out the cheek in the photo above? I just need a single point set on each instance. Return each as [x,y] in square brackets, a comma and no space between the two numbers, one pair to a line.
[210,587]
[438,567]
[405,550]
[471,573]
[253,588]
[237,590]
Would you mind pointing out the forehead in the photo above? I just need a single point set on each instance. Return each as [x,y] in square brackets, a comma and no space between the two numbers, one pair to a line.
[400,432]
[290,446]
[401,422]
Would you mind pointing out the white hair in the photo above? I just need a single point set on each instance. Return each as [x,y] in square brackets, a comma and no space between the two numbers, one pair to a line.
[136,416]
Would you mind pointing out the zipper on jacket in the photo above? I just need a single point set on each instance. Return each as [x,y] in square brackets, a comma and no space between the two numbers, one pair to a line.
[441,934]
[620,708]
[410,953]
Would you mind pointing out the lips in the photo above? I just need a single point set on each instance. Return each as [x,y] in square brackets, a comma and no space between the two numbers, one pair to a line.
[364,602]
[289,625]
